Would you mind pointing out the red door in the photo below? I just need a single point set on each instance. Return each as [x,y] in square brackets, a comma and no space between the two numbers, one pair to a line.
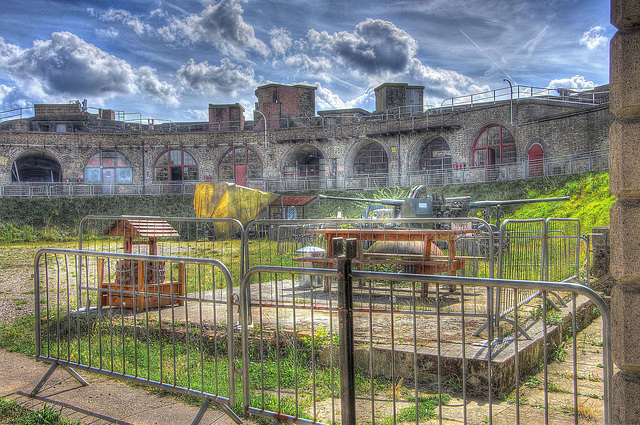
[240,174]
[536,160]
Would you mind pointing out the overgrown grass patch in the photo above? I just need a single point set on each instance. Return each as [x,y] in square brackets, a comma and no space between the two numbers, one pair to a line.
[12,413]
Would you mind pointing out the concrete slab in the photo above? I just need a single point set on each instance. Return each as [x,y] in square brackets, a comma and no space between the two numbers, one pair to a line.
[103,401]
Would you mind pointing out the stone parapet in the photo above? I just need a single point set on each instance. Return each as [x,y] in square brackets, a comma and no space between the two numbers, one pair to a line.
[625,14]
[624,159]
[625,74]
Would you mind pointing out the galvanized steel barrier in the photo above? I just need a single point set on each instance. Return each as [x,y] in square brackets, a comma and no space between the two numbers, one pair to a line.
[193,237]
[411,335]
[536,249]
[187,346]
[379,353]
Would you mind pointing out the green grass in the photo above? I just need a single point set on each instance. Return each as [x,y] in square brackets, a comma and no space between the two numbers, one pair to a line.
[12,413]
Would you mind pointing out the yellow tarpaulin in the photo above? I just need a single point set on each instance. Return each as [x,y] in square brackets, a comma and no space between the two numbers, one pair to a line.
[228,200]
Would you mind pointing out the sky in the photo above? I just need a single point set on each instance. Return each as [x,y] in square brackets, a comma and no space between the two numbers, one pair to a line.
[170,60]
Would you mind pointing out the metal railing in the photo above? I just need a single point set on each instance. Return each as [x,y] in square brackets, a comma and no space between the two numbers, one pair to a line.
[379,345]
[154,320]
[553,166]
[518,92]
[387,326]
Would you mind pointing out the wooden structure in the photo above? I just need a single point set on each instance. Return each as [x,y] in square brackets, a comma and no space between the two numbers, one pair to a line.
[282,204]
[139,284]
[427,262]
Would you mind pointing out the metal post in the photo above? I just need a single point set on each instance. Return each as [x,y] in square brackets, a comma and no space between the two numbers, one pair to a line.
[511,101]
[265,127]
[345,313]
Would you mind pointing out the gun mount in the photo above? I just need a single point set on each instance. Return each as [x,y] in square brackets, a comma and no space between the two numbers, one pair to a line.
[421,205]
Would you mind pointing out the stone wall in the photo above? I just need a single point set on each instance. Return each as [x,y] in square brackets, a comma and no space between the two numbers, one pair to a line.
[625,213]
[575,130]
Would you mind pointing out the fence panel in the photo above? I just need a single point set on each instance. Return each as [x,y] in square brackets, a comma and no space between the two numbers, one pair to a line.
[565,253]
[461,246]
[415,360]
[161,321]
[219,239]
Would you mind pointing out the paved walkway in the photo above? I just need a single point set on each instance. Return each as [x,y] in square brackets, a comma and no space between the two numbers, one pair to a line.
[103,401]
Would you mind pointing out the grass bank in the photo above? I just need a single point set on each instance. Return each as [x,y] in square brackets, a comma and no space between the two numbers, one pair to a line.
[56,219]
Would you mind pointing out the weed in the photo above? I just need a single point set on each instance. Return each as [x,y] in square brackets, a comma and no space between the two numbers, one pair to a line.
[558,352]
[424,409]
[18,415]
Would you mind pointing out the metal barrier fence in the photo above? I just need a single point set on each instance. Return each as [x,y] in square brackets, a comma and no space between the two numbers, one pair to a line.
[467,249]
[537,249]
[187,346]
[418,305]
[371,350]
[168,236]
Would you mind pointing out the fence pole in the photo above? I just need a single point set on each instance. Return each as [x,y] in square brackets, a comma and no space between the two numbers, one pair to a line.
[345,312]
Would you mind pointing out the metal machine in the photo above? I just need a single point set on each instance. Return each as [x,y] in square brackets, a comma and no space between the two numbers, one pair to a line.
[420,205]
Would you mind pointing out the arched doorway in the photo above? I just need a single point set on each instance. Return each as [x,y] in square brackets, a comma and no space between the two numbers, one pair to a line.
[536,160]
[175,165]
[435,159]
[305,163]
[494,146]
[240,164]
[372,160]
[36,166]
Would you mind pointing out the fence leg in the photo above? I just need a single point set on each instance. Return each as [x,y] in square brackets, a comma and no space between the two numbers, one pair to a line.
[345,312]
[47,375]
[201,412]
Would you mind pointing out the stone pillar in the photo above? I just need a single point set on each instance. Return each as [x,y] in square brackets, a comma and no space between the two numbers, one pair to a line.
[625,214]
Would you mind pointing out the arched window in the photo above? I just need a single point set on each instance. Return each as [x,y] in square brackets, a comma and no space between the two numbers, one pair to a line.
[108,167]
[175,165]
[495,145]
[371,159]
[240,164]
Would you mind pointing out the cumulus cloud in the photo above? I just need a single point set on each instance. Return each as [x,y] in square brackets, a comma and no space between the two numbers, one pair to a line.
[147,80]
[4,91]
[67,67]
[280,40]
[575,82]
[375,46]
[594,38]
[220,25]
[327,100]
[226,78]
[110,32]
[124,17]
[315,66]
[198,114]
[443,83]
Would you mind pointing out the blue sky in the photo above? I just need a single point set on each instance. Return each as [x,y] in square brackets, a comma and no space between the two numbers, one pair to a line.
[169,60]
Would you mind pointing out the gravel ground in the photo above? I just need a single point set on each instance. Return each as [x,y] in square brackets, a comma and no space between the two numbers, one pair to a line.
[16,277]
[16,282]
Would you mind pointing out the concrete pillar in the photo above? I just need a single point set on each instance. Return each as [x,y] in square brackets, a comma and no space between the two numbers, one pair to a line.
[625,214]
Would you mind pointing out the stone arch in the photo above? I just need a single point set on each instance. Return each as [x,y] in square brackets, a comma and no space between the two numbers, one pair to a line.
[431,155]
[36,166]
[368,157]
[240,164]
[108,167]
[175,165]
[304,161]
